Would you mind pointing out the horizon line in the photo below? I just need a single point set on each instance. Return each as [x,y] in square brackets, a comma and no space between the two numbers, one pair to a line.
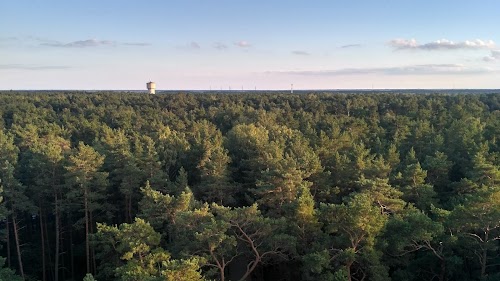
[254,90]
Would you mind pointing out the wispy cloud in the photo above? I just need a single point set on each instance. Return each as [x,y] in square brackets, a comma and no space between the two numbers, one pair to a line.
[243,44]
[32,67]
[89,43]
[494,56]
[443,44]
[301,53]
[194,45]
[139,44]
[8,41]
[220,46]
[351,46]
[422,69]
[11,38]
[81,43]
[190,46]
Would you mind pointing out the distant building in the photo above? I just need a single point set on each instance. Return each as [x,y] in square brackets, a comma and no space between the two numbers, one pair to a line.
[151,87]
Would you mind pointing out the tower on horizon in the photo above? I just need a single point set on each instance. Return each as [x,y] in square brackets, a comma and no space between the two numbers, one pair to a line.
[151,87]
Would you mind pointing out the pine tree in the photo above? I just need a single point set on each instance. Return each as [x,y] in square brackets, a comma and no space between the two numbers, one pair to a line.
[137,244]
[46,155]
[87,185]
[412,182]
[477,222]
[215,182]
[14,193]
[438,169]
[5,273]
[354,227]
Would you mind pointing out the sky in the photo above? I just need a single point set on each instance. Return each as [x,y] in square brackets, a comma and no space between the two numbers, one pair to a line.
[258,44]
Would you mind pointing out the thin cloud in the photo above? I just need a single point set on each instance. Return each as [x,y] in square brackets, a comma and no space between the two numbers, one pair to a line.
[8,41]
[32,67]
[39,40]
[443,44]
[11,38]
[191,46]
[194,45]
[301,53]
[89,43]
[351,46]
[494,56]
[81,44]
[422,69]
[138,44]
[220,46]
[243,44]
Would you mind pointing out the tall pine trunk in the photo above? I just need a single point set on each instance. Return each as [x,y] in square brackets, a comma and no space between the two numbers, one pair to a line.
[128,208]
[42,237]
[46,231]
[18,246]
[484,254]
[72,254]
[92,250]
[7,233]
[56,262]
[87,246]
[442,274]
[484,259]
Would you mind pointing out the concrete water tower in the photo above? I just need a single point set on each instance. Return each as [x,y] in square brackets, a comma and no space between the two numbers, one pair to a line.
[151,87]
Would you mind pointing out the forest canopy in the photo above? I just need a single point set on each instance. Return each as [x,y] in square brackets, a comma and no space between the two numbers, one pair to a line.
[249,186]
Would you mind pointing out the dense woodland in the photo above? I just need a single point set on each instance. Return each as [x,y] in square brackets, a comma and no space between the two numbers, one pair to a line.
[268,186]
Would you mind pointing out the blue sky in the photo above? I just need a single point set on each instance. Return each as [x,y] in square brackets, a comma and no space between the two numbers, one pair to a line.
[249,44]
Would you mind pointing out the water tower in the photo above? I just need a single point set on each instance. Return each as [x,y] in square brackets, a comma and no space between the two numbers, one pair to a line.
[151,87]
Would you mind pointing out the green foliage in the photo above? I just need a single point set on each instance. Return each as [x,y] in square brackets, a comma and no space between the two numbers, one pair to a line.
[215,182]
[89,277]
[206,235]
[14,192]
[478,223]
[316,266]
[162,210]
[340,275]
[7,273]
[411,231]
[484,171]
[438,173]
[137,244]
[313,186]
[412,181]
[383,195]
[86,180]
[354,227]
